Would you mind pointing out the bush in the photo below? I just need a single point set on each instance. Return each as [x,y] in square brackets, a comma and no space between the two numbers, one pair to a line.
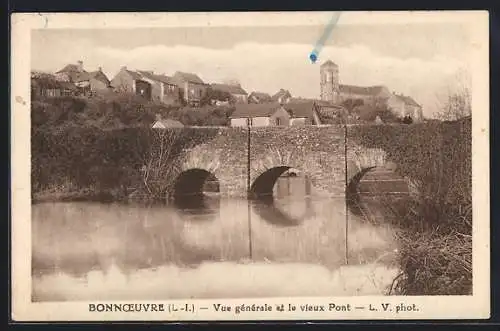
[436,225]
[105,160]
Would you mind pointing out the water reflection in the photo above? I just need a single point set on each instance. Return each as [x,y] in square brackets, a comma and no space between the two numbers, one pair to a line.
[291,203]
[293,226]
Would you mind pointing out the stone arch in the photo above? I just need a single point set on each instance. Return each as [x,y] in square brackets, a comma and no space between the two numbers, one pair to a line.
[359,159]
[190,188]
[324,170]
[375,188]
[264,184]
[192,182]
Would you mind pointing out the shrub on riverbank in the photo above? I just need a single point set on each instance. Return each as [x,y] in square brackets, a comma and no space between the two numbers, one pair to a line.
[436,225]
[108,161]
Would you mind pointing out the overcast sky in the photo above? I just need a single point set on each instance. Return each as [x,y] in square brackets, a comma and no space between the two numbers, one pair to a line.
[421,60]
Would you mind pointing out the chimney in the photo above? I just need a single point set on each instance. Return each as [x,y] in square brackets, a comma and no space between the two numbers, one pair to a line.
[124,68]
[80,66]
[158,117]
[100,69]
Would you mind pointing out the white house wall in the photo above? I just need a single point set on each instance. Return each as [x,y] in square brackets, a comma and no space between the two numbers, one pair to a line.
[260,121]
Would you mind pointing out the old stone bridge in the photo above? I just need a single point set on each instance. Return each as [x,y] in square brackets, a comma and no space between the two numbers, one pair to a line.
[321,153]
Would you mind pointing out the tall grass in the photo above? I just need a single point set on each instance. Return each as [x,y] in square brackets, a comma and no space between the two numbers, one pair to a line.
[434,224]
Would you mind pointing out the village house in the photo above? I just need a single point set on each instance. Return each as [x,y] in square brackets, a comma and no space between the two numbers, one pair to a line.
[404,106]
[259,97]
[86,82]
[46,85]
[193,88]
[323,108]
[275,114]
[166,123]
[282,96]
[235,91]
[151,86]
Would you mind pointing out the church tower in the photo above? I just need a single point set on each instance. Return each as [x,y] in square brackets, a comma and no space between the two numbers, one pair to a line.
[329,82]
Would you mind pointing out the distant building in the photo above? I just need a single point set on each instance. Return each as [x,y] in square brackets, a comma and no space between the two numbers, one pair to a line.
[334,92]
[329,82]
[363,92]
[166,123]
[236,91]
[151,86]
[324,108]
[275,114]
[46,85]
[404,106]
[193,88]
[259,97]
[85,81]
[282,96]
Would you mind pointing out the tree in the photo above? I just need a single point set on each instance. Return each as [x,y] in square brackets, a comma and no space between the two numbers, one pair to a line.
[216,95]
[457,106]
[351,104]
[456,103]
[376,107]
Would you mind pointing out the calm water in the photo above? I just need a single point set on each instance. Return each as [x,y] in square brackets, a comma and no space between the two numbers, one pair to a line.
[211,248]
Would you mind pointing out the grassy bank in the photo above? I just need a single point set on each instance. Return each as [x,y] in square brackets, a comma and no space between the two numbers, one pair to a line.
[435,225]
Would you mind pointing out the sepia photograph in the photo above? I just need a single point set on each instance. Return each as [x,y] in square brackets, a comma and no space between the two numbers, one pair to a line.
[250,165]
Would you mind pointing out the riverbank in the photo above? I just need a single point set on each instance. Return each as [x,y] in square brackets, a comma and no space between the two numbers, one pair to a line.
[435,253]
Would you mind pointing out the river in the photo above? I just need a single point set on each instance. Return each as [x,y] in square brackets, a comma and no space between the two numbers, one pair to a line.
[294,244]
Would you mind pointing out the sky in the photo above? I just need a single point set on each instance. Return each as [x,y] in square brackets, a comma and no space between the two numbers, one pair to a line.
[424,61]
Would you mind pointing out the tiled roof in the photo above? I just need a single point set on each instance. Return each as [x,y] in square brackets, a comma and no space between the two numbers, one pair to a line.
[135,75]
[255,110]
[99,75]
[165,79]
[261,96]
[300,109]
[361,90]
[147,74]
[188,77]
[140,74]
[233,89]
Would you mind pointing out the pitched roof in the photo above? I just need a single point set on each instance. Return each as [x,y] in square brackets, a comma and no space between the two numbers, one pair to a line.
[147,74]
[281,93]
[408,100]
[300,109]
[329,63]
[188,77]
[100,76]
[169,123]
[69,68]
[261,95]
[165,79]
[362,90]
[233,89]
[245,110]
[135,75]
